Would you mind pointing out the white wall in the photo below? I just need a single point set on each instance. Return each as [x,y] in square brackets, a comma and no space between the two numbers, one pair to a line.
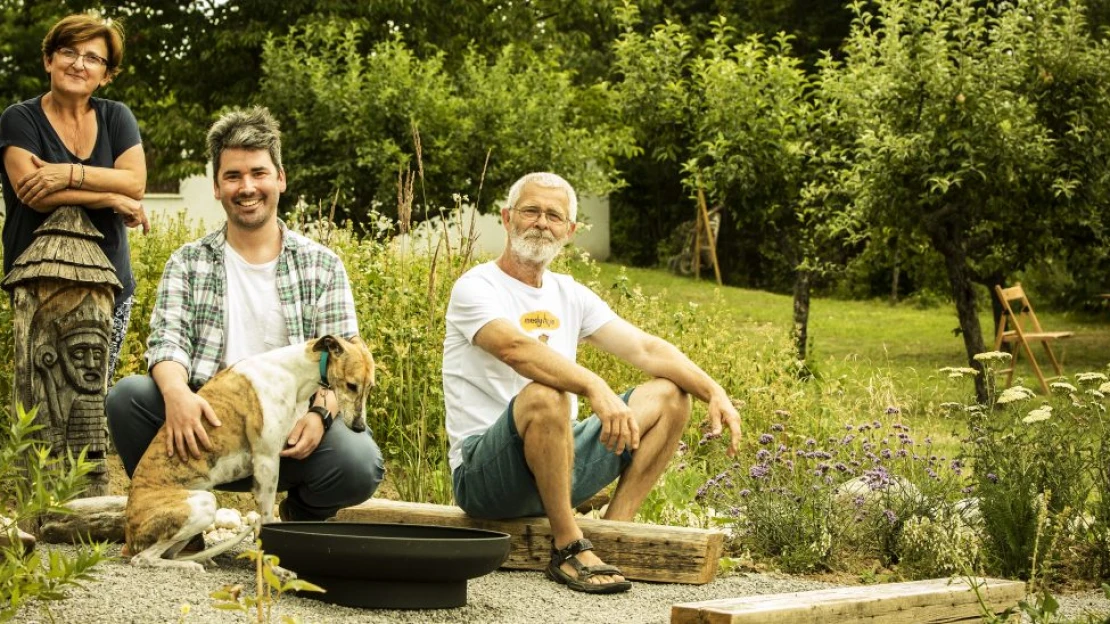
[195,198]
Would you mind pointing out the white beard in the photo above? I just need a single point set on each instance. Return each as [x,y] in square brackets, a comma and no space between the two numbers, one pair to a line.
[535,246]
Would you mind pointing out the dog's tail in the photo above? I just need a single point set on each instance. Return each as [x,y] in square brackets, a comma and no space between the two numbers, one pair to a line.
[218,549]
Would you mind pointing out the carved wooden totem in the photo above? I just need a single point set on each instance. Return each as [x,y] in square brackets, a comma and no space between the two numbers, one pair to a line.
[63,290]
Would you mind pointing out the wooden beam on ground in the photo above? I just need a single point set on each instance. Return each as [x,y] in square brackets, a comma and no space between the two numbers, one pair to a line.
[643,552]
[932,601]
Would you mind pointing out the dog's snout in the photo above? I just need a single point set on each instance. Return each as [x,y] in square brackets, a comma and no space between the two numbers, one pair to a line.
[359,425]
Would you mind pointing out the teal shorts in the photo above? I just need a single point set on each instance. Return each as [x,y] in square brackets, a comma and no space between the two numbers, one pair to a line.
[494,480]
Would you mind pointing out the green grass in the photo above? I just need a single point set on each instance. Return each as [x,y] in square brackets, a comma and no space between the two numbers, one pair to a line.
[891,352]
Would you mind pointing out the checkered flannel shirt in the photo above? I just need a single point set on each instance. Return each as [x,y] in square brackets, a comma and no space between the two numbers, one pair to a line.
[188,322]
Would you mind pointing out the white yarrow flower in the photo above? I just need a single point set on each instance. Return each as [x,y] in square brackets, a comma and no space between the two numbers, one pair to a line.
[1015,393]
[1043,412]
[1084,378]
[993,356]
[1062,387]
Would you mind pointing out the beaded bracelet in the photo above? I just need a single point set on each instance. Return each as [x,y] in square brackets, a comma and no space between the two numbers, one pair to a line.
[81,182]
[70,183]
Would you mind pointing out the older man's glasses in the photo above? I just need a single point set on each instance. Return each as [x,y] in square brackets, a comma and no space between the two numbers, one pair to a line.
[532,214]
[70,56]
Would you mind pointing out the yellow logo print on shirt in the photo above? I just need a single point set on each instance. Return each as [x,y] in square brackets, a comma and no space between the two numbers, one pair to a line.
[539,320]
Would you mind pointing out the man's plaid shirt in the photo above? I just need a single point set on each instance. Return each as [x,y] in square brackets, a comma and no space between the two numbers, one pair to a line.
[189,318]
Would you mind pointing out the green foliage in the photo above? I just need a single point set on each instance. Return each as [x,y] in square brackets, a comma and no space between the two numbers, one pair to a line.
[520,109]
[981,129]
[269,588]
[1037,465]
[33,483]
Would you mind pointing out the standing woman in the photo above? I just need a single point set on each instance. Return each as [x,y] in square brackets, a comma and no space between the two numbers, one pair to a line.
[66,148]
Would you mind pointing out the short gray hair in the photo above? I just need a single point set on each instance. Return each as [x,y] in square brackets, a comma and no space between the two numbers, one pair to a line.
[546,180]
[250,129]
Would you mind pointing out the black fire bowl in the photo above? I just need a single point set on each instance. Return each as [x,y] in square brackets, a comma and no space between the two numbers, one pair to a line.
[386,566]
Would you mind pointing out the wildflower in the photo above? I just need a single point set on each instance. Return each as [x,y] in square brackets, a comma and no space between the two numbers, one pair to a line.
[789,464]
[1013,394]
[799,453]
[993,478]
[763,455]
[897,426]
[892,410]
[1062,387]
[876,425]
[766,438]
[847,440]
[992,356]
[967,490]
[1096,394]
[859,501]
[848,427]
[777,427]
[744,493]
[1043,412]
[705,439]
[890,517]
[758,471]
[902,453]
[781,448]
[840,467]
[1105,388]
[811,442]
[682,447]
[886,454]
[1085,378]
[957,372]
[734,512]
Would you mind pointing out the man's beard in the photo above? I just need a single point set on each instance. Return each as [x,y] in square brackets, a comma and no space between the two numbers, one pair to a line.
[535,246]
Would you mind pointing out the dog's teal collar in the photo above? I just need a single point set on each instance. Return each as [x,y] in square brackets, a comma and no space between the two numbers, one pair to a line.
[324,371]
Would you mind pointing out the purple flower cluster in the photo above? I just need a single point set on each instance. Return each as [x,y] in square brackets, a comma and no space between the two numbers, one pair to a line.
[780,468]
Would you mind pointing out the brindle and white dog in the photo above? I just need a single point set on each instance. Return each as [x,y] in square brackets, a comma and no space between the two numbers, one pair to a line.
[258,401]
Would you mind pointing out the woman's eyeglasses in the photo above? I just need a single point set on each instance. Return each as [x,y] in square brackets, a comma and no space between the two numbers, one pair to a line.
[69,55]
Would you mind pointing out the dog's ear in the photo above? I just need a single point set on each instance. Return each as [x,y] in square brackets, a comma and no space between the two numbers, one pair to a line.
[328,343]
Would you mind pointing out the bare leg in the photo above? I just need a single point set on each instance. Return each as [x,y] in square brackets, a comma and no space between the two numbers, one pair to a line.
[542,418]
[662,410]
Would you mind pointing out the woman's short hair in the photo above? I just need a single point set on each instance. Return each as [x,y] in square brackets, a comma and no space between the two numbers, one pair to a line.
[82,27]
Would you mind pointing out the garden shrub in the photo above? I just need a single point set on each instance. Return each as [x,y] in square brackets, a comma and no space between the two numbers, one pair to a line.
[944,544]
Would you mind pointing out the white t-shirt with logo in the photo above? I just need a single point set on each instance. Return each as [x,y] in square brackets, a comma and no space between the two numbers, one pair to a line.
[477,387]
[255,322]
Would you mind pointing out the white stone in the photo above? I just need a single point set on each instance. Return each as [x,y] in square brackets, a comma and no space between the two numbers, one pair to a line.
[228,519]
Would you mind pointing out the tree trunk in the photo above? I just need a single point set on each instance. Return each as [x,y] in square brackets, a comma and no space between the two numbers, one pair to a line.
[894,278]
[949,241]
[801,312]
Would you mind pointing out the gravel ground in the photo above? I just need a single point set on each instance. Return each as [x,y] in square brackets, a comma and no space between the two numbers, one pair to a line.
[142,595]
[125,594]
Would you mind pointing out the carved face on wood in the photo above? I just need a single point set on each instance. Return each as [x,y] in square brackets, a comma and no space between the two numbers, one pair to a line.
[83,339]
[83,354]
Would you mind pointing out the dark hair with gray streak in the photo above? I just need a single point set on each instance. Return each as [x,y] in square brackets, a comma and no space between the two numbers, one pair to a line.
[250,129]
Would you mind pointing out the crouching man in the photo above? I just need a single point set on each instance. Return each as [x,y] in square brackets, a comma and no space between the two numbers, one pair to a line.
[510,382]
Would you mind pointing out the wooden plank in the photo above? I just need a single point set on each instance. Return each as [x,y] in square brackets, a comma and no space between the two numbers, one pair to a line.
[933,601]
[643,552]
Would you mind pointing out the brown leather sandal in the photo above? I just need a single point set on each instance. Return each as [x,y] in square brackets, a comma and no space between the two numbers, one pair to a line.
[583,573]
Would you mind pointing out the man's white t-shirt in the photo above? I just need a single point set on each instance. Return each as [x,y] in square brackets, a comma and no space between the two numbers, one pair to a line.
[255,322]
[477,387]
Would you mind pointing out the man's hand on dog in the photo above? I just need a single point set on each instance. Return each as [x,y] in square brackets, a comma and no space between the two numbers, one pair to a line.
[304,438]
[187,435]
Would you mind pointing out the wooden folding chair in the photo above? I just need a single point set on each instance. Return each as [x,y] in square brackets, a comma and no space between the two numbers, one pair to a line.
[1022,328]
